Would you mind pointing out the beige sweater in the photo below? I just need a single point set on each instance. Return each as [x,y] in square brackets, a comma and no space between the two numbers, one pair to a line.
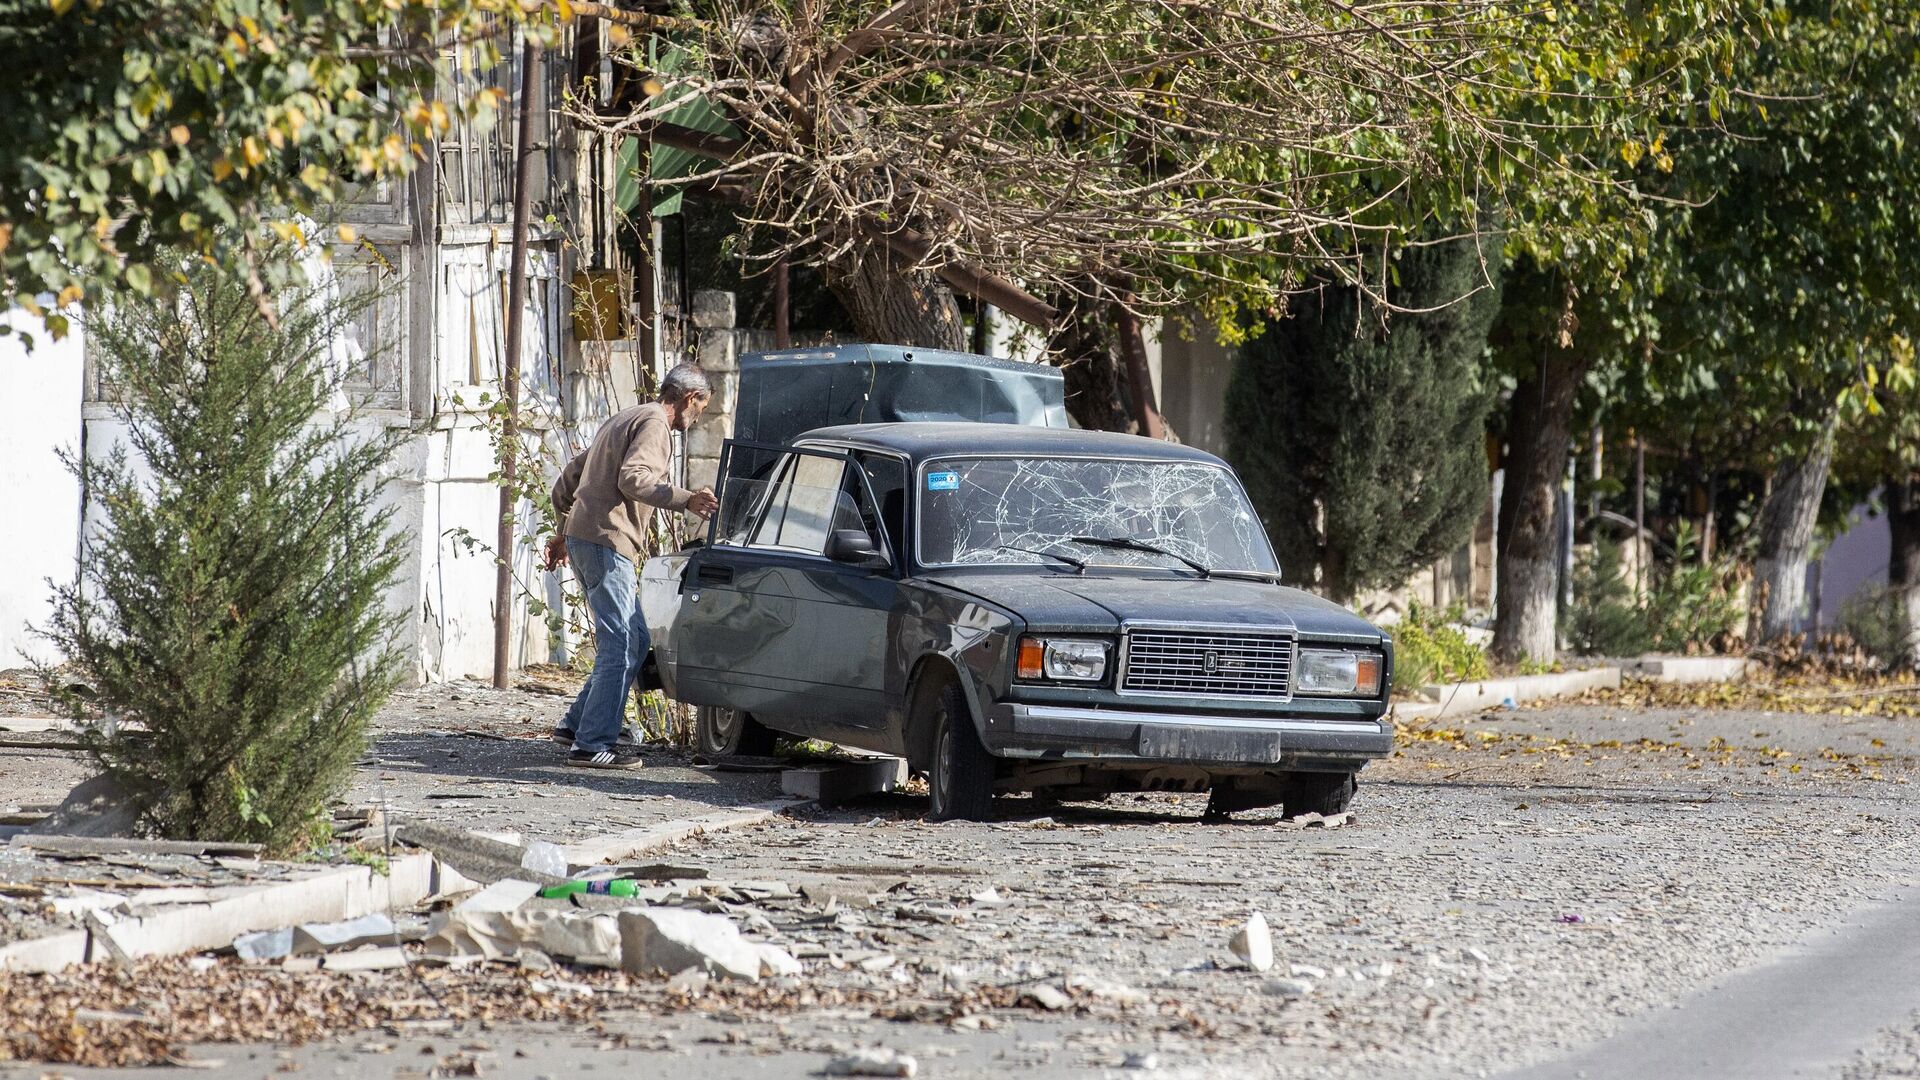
[607,494]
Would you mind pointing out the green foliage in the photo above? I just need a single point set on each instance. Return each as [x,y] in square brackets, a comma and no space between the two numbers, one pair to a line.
[1604,619]
[1429,648]
[1876,619]
[232,597]
[130,127]
[1361,444]
[1689,607]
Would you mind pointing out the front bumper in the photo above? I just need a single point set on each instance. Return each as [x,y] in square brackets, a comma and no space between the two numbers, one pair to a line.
[1062,733]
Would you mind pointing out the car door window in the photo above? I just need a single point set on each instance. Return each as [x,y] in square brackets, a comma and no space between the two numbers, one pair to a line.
[805,504]
[887,479]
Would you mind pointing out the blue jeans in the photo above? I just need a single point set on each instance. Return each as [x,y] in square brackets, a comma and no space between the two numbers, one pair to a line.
[620,643]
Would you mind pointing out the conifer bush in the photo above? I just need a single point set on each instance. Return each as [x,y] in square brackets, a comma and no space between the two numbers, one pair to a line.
[231,594]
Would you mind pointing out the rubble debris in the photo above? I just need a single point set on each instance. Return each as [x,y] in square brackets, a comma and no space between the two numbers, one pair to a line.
[842,781]
[63,845]
[1047,996]
[1253,943]
[580,937]
[376,958]
[347,934]
[542,857]
[503,895]
[667,941]
[480,858]
[264,945]
[874,1061]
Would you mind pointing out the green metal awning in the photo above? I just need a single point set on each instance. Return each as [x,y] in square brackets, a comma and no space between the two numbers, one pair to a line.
[667,162]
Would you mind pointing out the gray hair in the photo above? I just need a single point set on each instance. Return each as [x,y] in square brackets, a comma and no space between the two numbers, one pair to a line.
[685,381]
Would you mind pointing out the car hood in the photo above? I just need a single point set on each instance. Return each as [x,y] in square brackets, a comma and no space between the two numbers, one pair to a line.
[1099,602]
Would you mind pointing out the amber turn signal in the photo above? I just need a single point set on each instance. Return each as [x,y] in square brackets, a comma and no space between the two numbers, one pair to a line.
[1367,678]
[1033,658]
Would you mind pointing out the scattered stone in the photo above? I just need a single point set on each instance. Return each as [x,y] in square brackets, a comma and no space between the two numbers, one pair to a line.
[1287,988]
[1107,989]
[1308,971]
[874,1061]
[1144,1062]
[1253,943]
[1047,996]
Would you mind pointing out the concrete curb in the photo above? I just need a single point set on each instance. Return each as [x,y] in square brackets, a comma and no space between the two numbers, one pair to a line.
[347,892]
[613,847]
[1459,699]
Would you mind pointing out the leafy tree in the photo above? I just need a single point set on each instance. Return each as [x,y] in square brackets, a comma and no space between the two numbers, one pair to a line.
[1361,441]
[132,127]
[231,600]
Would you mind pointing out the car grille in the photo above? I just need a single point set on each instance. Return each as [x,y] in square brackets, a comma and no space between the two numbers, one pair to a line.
[1222,664]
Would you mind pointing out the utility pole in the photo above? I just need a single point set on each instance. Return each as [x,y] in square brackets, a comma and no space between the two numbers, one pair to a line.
[510,363]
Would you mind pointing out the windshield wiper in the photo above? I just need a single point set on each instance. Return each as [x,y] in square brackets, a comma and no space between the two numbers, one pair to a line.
[1132,543]
[1079,565]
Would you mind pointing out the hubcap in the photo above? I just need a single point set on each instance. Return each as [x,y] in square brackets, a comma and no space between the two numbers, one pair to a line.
[942,767]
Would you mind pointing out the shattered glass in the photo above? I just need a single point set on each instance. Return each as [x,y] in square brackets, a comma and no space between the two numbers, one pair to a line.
[972,510]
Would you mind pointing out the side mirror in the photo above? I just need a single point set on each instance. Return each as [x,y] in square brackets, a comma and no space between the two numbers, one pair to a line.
[854,547]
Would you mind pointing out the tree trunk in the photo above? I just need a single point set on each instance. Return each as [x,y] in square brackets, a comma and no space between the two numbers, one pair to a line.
[1540,423]
[1133,346]
[893,306]
[1786,534]
[1903,569]
[1083,345]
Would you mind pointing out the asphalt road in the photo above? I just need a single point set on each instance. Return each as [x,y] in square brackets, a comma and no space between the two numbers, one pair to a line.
[1524,891]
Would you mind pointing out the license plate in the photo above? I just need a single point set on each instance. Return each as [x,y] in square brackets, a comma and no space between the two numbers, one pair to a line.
[1208,744]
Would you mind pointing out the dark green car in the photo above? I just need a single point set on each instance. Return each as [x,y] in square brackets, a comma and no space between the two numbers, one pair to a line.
[1012,608]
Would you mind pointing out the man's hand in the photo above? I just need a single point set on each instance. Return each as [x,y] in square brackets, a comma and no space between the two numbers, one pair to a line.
[556,551]
[703,503]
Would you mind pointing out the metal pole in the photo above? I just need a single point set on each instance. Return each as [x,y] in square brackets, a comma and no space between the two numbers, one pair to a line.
[782,306]
[510,364]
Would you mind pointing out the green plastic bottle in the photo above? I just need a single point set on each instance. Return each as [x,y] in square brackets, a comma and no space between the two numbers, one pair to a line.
[602,887]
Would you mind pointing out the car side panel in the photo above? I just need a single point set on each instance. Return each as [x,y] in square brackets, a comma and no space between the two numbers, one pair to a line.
[973,637]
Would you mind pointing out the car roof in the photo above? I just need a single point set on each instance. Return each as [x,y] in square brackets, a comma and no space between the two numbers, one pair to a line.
[920,441]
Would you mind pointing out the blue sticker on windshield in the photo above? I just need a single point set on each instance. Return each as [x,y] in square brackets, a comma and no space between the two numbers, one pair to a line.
[943,481]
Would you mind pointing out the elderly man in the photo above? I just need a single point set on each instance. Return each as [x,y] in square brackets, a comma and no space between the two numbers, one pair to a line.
[605,498]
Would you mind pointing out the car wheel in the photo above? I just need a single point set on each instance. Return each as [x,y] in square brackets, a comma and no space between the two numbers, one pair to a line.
[960,779]
[1320,793]
[730,732]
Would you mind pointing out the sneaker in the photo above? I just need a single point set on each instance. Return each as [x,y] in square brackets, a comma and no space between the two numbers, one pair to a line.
[617,758]
[563,736]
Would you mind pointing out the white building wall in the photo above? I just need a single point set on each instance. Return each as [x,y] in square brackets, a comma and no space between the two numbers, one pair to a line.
[39,533]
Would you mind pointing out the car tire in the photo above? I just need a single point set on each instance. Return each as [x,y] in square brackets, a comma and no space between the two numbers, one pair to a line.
[730,733]
[960,775]
[1320,793]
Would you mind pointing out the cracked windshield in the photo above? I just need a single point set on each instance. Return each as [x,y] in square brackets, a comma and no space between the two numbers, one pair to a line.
[1003,510]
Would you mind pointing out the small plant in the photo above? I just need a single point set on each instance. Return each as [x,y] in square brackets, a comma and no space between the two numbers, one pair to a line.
[1688,607]
[1604,618]
[1429,648]
[232,597]
[1876,619]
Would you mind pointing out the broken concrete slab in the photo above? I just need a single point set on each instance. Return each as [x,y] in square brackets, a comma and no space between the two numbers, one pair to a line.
[503,895]
[345,934]
[1687,669]
[480,858]
[379,958]
[582,937]
[874,1061]
[667,941]
[262,945]
[842,781]
[59,845]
